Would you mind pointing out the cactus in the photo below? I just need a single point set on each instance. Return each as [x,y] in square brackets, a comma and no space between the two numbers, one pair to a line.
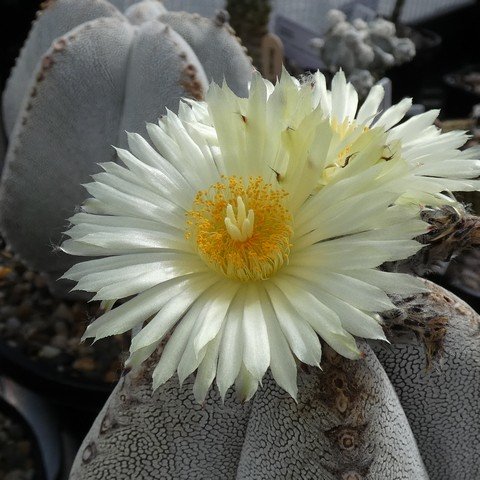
[86,74]
[363,50]
[434,365]
[249,19]
[347,424]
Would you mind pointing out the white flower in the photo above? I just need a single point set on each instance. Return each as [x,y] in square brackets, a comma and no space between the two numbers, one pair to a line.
[435,162]
[229,243]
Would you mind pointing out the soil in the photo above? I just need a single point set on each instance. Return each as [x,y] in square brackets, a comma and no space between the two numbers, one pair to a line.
[48,330]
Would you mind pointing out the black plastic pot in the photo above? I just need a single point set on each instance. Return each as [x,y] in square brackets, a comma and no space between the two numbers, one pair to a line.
[460,95]
[40,425]
[86,396]
[9,411]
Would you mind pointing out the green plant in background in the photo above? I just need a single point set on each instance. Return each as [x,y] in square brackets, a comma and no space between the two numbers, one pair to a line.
[249,19]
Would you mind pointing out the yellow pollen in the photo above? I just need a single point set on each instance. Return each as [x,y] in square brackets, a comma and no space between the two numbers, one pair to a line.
[241,231]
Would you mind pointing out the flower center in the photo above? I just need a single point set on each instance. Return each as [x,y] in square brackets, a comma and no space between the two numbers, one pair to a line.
[241,231]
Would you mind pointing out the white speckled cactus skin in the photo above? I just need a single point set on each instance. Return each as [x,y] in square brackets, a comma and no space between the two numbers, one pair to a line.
[348,423]
[86,74]
[436,374]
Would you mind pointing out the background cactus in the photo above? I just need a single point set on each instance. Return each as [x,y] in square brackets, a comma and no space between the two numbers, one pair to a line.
[363,50]
[249,19]
[86,74]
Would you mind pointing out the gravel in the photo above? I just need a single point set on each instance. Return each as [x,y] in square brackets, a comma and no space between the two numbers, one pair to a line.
[48,330]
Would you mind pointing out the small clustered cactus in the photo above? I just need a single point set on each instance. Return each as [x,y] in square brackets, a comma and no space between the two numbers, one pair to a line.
[364,50]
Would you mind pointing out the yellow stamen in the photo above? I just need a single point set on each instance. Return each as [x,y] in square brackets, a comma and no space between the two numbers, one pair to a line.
[241,231]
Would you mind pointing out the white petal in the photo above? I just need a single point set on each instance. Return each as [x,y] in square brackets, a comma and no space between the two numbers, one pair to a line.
[369,109]
[256,350]
[132,202]
[171,312]
[246,384]
[359,294]
[320,317]
[126,281]
[282,363]
[351,102]
[226,114]
[303,340]
[396,283]
[353,320]
[137,357]
[175,347]
[136,310]
[339,96]
[231,347]
[324,320]
[164,180]
[190,360]
[394,114]
[214,317]
[207,370]
[320,95]
[413,127]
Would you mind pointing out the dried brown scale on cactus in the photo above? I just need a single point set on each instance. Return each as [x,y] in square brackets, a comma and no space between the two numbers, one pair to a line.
[450,385]
[341,392]
[191,84]
[427,317]
[452,230]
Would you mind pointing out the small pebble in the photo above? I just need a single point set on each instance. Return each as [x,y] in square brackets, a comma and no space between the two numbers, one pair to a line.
[47,351]
[4,271]
[62,311]
[24,309]
[110,377]
[28,276]
[85,364]
[59,341]
[61,327]
[24,447]
[42,327]
[19,475]
[39,281]
[12,324]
